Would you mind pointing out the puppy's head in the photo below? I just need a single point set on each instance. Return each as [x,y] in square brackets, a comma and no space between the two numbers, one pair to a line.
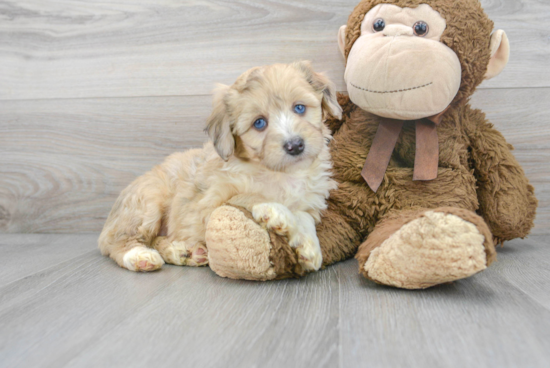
[273,115]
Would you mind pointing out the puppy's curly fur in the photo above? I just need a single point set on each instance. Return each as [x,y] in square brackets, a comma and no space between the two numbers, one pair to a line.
[162,216]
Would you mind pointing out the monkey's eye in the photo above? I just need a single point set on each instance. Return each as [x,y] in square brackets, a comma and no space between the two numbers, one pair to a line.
[421,28]
[260,124]
[299,109]
[379,25]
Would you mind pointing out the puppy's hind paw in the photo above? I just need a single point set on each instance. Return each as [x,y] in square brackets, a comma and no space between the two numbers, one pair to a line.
[199,255]
[142,259]
[275,217]
[179,253]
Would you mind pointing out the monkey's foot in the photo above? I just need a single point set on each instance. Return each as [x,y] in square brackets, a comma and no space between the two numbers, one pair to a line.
[426,248]
[240,248]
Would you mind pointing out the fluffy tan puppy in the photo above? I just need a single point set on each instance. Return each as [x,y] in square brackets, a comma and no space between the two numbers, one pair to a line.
[269,154]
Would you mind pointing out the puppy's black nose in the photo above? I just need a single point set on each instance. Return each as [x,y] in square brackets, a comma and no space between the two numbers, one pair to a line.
[295,146]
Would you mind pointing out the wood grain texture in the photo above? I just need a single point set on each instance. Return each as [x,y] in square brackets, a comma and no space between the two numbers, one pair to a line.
[89,312]
[77,48]
[526,265]
[85,311]
[32,253]
[523,117]
[482,321]
[64,162]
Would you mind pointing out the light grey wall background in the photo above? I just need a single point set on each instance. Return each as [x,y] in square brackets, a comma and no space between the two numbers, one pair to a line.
[94,93]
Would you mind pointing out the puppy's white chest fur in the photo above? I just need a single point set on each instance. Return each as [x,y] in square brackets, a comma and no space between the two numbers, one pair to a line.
[305,188]
[288,189]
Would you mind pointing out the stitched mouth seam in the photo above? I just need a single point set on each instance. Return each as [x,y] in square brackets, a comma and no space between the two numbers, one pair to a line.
[398,90]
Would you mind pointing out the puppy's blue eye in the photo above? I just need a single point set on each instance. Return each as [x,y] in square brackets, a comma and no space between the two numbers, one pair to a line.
[260,124]
[299,109]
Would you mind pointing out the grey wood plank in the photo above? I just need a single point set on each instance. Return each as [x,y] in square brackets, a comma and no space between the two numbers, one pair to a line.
[64,162]
[482,321]
[70,307]
[25,289]
[89,312]
[68,49]
[528,47]
[32,253]
[224,323]
[526,265]
[523,117]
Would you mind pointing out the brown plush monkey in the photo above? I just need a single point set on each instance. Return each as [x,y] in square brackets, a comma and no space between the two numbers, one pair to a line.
[427,186]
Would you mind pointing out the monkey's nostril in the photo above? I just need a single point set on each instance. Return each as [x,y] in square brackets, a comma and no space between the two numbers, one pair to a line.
[295,146]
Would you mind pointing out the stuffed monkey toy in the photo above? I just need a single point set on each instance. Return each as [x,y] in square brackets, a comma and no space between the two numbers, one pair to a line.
[426,185]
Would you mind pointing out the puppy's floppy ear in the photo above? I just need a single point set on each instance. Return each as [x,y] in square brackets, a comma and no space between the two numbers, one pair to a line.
[218,125]
[322,84]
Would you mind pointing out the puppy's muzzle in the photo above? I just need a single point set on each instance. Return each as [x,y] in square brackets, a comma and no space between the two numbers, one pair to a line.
[294,146]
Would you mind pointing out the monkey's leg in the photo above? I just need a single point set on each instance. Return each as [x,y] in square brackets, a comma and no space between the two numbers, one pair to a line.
[417,249]
[240,248]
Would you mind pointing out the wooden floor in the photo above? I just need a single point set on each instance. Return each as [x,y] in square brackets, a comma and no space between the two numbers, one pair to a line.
[94,93]
[64,305]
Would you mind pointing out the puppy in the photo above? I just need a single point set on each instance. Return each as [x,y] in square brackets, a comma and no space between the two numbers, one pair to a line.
[269,154]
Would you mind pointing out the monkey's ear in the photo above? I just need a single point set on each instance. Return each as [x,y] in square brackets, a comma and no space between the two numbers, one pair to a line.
[500,53]
[322,84]
[218,125]
[342,40]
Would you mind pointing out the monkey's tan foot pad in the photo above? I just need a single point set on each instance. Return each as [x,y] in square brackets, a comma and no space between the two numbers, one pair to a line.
[433,249]
[240,248]
[179,253]
[142,259]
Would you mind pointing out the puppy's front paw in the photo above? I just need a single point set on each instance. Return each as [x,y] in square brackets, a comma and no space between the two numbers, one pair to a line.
[275,216]
[142,259]
[308,251]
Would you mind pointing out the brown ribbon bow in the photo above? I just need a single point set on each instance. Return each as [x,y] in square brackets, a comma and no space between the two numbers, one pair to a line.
[427,150]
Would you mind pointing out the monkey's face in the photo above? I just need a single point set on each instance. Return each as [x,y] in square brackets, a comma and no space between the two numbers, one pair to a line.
[398,68]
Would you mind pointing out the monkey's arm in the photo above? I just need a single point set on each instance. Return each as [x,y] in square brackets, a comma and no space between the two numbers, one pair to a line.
[338,239]
[507,201]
